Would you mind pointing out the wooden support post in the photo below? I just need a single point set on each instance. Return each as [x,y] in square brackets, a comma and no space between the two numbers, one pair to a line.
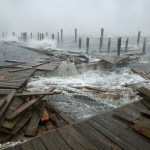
[87,45]
[58,37]
[100,45]
[53,36]
[109,43]
[46,33]
[138,38]
[42,36]
[102,35]
[144,45]
[61,35]
[38,36]
[80,43]
[126,45]
[25,36]
[13,34]
[3,35]
[75,35]
[119,46]
[31,35]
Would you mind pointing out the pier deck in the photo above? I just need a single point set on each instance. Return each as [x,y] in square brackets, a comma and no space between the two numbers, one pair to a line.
[122,128]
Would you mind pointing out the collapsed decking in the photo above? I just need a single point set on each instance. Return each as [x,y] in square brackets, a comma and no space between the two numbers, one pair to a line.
[126,127]
[96,133]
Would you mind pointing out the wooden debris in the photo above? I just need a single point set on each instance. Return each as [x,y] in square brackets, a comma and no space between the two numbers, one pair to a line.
[109,96]
[34,122]
[2,102]
[66,118]
[9,99]
[141,125]
[47,92]
[44,115]
[23,107]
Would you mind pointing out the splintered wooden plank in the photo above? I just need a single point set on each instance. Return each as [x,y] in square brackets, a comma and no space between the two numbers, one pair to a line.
[70,140]
[5,91]
[4,137]
[2,102]
[22,108]
[114,59]
[21,123]
[145,91]
[64,116]
[10,124]
[34,122]
[47,92]
[9,99]
[48,66]
[145,113]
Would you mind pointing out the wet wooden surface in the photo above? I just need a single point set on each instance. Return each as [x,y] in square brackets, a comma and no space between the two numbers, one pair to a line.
[110,130]
[14,80]
[114,59]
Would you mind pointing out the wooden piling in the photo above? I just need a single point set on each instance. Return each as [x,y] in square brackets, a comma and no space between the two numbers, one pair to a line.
[109,43]
[31,35]
[126,44]
[119,46]
[138,38]
[58,38]
[38,36]
[53,36]
[87,45]
[100,45]
[61,35]
[42,36]
[102,35]
[13,34]
[80,43]
[144,45]
[46,33]
[3,35]
[75,35]
[25,36]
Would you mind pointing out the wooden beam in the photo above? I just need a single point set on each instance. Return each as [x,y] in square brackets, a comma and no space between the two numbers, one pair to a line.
[9,99]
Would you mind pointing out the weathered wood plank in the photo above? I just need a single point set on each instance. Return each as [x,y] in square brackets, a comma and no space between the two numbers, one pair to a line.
[37,144]
[48,92]
[71,141]
[112,137]
[55,137]
[81,139]
[97,139]
[64,116]
[23,107]
[9,99]
[123,133]
[34,122]
[26,146]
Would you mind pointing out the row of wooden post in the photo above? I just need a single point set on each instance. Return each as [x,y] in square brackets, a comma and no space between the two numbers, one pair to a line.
[41,37]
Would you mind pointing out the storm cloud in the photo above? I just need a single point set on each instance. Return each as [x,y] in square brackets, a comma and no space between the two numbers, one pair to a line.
[124,17]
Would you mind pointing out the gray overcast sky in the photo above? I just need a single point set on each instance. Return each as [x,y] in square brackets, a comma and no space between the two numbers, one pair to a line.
[116,16]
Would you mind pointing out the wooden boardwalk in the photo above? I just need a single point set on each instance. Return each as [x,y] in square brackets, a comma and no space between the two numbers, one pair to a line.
[14,80]
[118,129]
